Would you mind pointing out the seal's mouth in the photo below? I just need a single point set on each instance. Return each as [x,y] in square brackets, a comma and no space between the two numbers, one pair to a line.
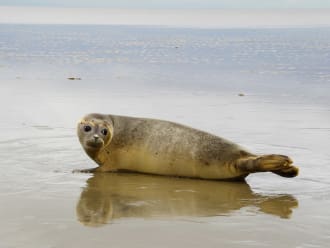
[94,144]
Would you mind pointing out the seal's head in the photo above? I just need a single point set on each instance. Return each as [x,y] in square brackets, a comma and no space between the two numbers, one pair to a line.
[95,132]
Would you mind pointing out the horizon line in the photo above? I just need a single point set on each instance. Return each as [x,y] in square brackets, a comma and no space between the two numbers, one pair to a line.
[200,18]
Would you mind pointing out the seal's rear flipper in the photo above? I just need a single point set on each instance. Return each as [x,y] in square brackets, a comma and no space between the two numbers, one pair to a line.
[278,164]
[292,171]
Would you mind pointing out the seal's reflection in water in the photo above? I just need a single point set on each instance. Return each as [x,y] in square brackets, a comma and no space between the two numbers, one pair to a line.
[111,196]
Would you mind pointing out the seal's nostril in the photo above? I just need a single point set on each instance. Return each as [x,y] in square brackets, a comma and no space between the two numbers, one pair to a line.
[96,137]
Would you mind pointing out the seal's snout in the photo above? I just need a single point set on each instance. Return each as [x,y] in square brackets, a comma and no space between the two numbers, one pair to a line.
[95,142]
[96,137]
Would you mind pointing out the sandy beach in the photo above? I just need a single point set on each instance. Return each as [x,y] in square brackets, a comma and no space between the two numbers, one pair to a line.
[265,89]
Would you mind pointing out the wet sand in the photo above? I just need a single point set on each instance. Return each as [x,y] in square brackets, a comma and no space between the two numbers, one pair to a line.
[285,109]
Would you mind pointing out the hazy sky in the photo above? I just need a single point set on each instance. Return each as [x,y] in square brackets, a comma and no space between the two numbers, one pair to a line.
[176,4]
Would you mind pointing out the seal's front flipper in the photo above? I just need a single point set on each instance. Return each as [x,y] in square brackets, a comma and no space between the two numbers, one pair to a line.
[278,164]
[91,170]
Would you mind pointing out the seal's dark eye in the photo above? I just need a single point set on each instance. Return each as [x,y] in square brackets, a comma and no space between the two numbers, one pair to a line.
[87,128]
[104,131]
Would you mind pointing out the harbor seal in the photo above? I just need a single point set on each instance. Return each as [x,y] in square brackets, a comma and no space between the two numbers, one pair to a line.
[122,143]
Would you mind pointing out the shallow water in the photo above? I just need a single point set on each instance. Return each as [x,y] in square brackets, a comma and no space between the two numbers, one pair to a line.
[190,76]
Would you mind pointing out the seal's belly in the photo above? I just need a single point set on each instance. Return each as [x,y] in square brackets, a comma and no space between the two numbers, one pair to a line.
[185,165]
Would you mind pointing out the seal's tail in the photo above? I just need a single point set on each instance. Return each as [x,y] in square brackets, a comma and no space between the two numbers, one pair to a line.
[278,164]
